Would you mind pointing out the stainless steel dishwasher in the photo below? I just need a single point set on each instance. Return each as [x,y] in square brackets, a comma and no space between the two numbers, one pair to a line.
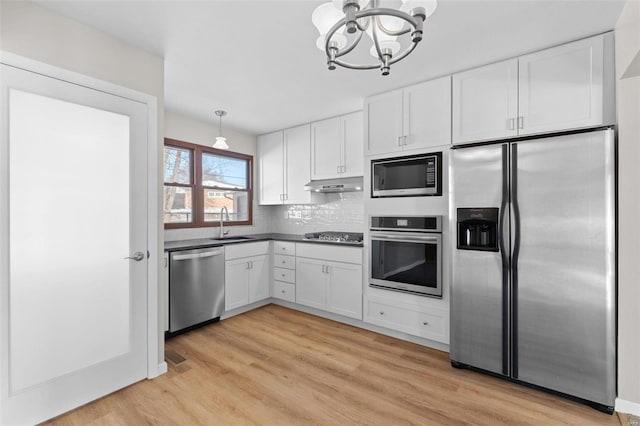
[196,287]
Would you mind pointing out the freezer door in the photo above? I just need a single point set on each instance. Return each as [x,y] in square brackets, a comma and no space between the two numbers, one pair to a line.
[479,286]
[564,264]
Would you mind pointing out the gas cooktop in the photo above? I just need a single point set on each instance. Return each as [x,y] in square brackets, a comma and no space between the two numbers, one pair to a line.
[335,237]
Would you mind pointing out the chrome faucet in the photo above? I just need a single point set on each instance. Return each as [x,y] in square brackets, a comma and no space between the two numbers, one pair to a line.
[226,211]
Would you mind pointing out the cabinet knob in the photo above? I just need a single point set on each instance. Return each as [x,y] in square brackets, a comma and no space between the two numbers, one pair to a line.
[283,275]
[425,323]
[284,261]
[381,312]
[282,291]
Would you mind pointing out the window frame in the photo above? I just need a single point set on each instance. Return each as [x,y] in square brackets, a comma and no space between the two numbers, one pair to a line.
[198,189]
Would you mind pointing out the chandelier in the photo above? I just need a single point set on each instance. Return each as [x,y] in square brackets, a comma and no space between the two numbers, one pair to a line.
[342,23]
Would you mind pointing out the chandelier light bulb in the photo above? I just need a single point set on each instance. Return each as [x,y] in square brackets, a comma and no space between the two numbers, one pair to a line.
[429,6]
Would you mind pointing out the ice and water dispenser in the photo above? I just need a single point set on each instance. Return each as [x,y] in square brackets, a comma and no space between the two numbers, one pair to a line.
[478,229]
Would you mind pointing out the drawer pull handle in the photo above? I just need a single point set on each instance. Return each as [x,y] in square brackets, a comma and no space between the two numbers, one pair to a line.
[425,323]
[381,312]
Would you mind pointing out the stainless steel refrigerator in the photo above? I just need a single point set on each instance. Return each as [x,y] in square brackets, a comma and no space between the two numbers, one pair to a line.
[533,292]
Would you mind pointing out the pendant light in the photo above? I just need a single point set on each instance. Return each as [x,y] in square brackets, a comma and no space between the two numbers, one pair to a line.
[221,141]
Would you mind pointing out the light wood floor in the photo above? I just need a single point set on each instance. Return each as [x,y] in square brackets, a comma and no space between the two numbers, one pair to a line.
[276,366]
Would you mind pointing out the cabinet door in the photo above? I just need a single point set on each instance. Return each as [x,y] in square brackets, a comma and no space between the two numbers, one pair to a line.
[485,102]
[344,289]
[236,283]
[259,278]
[297,143]
[427,114]
[326,148]
[562,88]
[271,165]
[383,115]
[353,144]
[311,283]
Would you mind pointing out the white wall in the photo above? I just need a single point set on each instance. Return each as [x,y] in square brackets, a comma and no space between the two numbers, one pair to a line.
[628,107]
[187,129]
[29,30]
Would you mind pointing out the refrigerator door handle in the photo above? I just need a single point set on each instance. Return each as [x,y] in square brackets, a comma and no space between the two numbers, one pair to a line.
[505,261]
[514,258]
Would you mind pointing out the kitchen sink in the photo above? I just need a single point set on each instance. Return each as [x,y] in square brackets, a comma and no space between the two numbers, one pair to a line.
[232,238]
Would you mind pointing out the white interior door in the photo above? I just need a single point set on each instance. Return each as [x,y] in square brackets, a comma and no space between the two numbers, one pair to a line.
[73,206]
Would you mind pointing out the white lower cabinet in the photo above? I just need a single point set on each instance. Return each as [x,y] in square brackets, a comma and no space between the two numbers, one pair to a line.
[246,275]
[284,270]
[428,322]
[344,289]
[311,287]
[284,291]
[326,284]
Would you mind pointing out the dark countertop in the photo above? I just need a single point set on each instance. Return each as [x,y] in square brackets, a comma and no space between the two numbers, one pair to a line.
[210,242]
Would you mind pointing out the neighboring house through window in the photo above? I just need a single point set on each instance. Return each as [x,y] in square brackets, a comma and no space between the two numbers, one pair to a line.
[199,181]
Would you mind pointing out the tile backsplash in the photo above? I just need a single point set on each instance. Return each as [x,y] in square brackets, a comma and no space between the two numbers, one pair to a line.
[340,212]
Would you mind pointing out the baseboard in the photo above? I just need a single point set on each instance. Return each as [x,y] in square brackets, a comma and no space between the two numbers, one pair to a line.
[628,407]
[246,308]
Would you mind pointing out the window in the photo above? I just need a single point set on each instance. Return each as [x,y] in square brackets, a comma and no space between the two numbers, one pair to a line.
[200,181]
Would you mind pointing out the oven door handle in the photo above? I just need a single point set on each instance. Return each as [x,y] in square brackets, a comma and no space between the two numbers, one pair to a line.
[402,238]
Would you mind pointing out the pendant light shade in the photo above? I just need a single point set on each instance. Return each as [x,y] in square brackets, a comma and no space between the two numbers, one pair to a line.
[221,141]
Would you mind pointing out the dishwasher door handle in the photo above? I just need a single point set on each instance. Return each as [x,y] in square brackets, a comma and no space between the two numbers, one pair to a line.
[197,255]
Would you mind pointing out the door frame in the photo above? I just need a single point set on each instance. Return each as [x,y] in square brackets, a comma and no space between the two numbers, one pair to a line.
[155,345]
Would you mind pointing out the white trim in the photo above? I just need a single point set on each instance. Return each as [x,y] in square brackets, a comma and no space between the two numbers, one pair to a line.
[154,367]
[162,368]
[628,407]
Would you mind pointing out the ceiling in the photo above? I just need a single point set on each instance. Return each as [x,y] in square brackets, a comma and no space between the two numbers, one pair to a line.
[258,60]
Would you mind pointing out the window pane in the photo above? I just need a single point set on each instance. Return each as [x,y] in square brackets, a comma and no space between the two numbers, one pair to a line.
[237,202]
[177,167]
[178,206]
[224,172]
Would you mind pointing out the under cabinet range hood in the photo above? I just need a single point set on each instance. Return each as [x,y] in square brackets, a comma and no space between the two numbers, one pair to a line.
[336,185]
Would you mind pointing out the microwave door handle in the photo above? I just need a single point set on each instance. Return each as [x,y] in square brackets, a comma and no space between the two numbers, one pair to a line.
[402,238]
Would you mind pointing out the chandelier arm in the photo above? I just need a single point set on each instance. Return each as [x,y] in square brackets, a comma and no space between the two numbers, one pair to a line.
[376,42]
[356,67]
[345,50]
[388,12]
[404,54]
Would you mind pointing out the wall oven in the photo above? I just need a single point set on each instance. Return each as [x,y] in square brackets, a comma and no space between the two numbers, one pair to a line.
[406,254]
[408,176]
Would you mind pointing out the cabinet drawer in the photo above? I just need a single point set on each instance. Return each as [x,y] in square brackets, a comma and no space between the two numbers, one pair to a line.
[282,274]
[283,247]
[284,291]
[282,261]
[236,251]
[411,320]
[330,252]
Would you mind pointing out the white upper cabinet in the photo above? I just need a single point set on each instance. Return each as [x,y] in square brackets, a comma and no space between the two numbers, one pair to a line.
[485,102]
[412,118]
[271,168]
[427,114]
[284,167]
[562,88]
[383,130]
[337,147]
[326,147]
[297,151]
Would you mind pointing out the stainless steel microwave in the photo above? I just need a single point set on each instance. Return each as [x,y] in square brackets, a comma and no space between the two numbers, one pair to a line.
[409,176]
